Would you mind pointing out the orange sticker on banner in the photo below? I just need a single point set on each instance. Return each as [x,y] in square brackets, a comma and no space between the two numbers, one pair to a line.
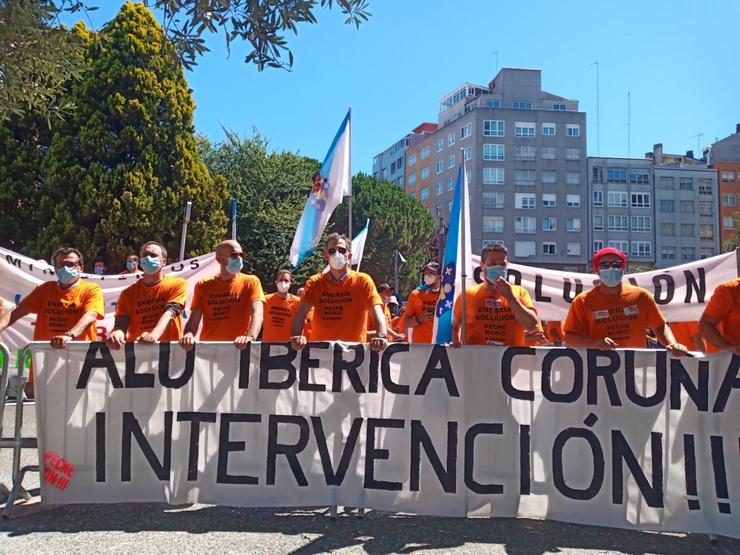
[58,471]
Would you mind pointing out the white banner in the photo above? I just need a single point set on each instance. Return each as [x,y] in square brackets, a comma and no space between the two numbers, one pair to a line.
[681,291]
[631,439]
[19,275]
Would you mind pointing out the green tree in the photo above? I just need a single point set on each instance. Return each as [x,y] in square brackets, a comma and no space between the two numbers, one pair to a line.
[271,190]
[119,171]
[37,57]
[733,241]
[397,221]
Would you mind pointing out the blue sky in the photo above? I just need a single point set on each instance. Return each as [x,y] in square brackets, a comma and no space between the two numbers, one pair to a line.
[678,60]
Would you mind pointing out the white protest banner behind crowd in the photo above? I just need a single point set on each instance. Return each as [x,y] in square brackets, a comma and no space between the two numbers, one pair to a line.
[631,439]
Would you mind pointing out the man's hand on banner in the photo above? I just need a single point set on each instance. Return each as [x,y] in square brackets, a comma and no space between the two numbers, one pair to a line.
[677,350]
[298,342]
[242,341]
[605,344]
[116,339]
[60,341]
[378,343]
[147,338]
[187,341]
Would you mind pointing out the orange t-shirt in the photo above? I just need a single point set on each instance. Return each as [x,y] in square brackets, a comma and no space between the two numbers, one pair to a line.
[60,309]
[490,320]
[308,325]
[144,305]
[624,318]
[226,305]
[684,333]
[340,307]
[420,301]
[279,314]
[724,307]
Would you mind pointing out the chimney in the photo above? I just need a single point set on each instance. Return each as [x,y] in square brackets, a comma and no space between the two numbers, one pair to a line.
[658,154]
[689,154]
[737,128]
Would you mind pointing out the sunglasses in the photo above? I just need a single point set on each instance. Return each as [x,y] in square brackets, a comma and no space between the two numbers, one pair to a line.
[332,250]
[235,255]
[606,265]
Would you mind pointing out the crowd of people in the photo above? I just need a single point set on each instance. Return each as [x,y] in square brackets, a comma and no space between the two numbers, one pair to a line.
[344,305]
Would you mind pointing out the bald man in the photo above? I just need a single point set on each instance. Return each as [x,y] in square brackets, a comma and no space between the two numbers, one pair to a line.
[230,303]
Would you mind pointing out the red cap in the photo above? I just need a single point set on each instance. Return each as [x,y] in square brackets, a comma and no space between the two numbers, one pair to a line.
[608,250]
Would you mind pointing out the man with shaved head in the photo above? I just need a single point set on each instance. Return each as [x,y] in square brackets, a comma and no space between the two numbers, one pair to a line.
[229,303]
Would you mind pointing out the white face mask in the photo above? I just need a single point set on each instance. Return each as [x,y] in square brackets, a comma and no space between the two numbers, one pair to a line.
[430,279]
[337,261]
[283,286]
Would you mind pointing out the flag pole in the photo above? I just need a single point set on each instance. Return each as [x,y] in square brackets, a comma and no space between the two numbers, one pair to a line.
[233,219]
[185,222]
[463,249]
[350,176]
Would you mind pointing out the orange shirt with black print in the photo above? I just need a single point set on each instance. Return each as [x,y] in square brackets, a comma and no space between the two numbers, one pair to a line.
[144,306]
[421,301]
[226,305]
[279,315]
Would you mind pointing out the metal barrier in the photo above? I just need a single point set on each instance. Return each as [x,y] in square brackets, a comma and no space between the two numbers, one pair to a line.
[17,442]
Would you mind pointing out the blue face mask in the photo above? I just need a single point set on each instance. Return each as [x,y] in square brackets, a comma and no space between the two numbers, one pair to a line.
[610,276]
[235,265]
[150,264]
[67,275]
[495,272]
[130,265]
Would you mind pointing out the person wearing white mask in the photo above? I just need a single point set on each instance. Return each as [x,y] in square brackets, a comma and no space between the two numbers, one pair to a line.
[150,310]
[615,314]
[420,305]
[341,299]
[280,308]
[497,312]
[230,304]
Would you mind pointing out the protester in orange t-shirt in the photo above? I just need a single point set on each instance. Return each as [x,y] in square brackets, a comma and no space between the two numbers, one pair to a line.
[615,314]
[420,305]
[687,333]
[386,295]
[497,312]
[150,310]
[66,309]
[720,323]
[230,303]
[341,299]
[280,308]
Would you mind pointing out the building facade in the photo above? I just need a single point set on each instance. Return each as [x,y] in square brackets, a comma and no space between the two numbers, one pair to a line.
[391,163]
[725,158]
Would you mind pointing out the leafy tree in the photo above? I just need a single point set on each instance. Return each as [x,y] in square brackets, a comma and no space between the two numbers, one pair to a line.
[397,221]
[733,241]
[270,189]
[119,171]
[37,58]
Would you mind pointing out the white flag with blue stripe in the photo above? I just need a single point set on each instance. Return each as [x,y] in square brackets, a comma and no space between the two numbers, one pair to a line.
[332,182]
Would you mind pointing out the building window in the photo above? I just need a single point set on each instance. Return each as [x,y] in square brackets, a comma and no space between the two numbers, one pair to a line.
[640,200]
[493,128]
[451,161]
[525,224]
[440,166]
[573,178]
[412,195]
[687,230]
[549,177]
[549,200]
[706,252]
[617,199]
[524,249]
[548,153]
[667,206]
[618,223]
[549,249]
[424,154]
[451,139]
[729,200]
[524,129]
[493,200]
[706,209]
[619,245]
[616,175]
[440,145]
[640,177]
[449,206]
[642,223]
[424,174]
[706,232]
[666,183]
[450,184]
[598,198]
[412,178]
[548,129]
[598,245]
[549,223]
[573,224]
[493,176]
[573,201]
[728,176]
[525,152]
[424,193]
[668,229]
[728,223]
[642,249]
[466,130]
[525,201]
[573,249]
[668,253]
[572,130]
[525,177]
[493,224]
[705,186]
[598,222]
[687,253]
[597,174]
[558,107]
[572,153]
[411,160]
[468,153]
[685,184]
[687,206]
[519,105]
[493,104]
[439,188]
[493,152]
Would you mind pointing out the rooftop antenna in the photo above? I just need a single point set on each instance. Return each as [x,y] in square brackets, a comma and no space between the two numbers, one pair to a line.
[496,73]
[598,127]
[629,123]
[698,137]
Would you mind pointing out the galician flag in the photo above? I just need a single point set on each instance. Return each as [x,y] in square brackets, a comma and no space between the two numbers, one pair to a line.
[458,234]
[332,182]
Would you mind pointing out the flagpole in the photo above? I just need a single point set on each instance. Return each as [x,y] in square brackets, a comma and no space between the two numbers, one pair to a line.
[350,176]
[184,233]
[463,249]
[395,273]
